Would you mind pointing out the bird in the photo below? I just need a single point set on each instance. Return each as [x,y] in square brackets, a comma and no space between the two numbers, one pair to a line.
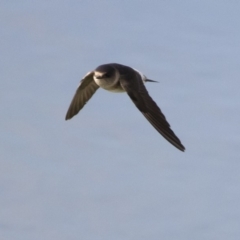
[116,77]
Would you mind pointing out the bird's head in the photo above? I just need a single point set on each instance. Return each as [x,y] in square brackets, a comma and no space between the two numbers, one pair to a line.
[104,72]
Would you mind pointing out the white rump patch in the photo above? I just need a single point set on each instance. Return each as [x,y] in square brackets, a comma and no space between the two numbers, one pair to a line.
[142,75]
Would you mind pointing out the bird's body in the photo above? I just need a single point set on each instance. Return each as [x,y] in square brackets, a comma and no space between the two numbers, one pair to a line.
[119,78]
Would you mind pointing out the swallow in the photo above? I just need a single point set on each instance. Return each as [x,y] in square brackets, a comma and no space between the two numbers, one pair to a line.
[115,77]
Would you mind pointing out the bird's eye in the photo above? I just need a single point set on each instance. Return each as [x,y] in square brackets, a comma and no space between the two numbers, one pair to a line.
[106,75]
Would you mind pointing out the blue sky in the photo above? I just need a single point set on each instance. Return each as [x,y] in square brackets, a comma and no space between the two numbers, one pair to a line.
[107,174]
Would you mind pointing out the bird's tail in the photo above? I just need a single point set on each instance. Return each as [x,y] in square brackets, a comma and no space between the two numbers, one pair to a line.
[149,80]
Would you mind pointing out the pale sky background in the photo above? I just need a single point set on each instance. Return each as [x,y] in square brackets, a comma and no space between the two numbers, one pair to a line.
[107,174]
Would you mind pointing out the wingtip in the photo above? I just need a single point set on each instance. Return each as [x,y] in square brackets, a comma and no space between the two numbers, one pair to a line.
[67,117]
[180,147]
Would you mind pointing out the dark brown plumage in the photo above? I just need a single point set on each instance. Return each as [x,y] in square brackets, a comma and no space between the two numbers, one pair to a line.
[119,78]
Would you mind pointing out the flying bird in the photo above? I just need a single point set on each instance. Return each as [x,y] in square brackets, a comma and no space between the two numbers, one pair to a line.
[115,77]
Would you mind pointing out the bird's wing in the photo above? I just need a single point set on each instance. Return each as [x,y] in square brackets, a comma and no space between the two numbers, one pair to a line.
[84,92]
[139,95]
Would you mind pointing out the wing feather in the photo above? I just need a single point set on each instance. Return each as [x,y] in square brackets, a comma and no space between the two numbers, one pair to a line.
[83,93]
[143,101]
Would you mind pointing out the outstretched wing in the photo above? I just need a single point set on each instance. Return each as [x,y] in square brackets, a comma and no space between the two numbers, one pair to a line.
[139,95]
[84,92]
